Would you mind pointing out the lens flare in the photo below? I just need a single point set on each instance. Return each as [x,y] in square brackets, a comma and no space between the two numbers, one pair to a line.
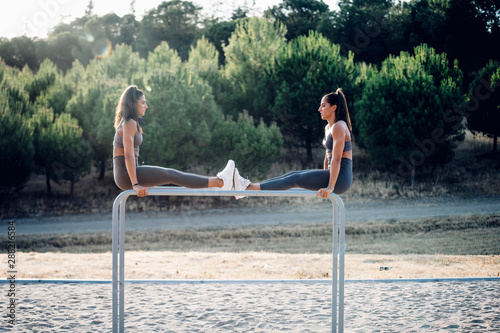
[88,37]
[102,48]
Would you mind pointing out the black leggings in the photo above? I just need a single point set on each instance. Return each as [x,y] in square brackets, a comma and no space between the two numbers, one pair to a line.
[149,176]
[312,179]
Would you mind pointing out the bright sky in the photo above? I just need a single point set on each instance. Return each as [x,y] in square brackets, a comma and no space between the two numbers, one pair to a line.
[35,18]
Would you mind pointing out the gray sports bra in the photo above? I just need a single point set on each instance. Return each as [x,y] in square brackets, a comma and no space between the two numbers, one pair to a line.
[118,140]
[328,144]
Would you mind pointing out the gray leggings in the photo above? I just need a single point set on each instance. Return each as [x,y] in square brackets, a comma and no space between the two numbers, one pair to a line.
[149,176]
[312,179]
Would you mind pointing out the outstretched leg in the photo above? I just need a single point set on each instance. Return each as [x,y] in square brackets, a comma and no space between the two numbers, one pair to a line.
[150,176]
[307,179]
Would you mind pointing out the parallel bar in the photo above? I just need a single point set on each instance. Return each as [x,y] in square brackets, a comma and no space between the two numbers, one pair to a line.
[342,249]
[118,203]
[335,244]
[114,246]
[122,266]
[118,231]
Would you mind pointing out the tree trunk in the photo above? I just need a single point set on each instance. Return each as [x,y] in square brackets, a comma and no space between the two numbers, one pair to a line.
[72,188]
[47,181]
[102,170]
[412,176]
[309,153]
[495,144]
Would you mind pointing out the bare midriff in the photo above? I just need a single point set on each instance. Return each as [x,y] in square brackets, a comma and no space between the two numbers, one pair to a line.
[346,154]
[117,151]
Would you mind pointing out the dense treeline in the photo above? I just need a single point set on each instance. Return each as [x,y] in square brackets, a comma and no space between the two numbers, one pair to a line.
[413,72]
[465,30]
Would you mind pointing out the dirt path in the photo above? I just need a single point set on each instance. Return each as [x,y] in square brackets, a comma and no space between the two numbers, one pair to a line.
[356,212]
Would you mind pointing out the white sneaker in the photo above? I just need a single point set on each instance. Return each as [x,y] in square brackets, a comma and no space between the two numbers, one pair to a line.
[240,183]
[227,176]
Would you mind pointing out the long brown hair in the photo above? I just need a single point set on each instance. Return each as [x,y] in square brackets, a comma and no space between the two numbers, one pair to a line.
[342,112]
[127,106]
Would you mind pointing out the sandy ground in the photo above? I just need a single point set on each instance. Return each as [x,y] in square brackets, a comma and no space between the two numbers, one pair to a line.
[249,265]
[452,306]
[370,305]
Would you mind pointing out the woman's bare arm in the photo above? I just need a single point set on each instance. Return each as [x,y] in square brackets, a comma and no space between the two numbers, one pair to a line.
[129,132]
[338,136]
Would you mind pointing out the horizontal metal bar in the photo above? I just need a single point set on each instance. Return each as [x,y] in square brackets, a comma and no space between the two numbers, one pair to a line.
[56,281]
[233,281]
[215,192]
[217,281]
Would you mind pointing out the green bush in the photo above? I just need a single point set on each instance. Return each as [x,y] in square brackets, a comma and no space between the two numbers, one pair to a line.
[254,149]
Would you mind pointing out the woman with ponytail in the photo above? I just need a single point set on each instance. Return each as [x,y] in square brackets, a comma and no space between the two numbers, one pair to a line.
[336,176]
[128,137]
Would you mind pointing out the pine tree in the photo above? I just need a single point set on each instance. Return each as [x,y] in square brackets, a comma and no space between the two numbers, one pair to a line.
[408,115]
[305,70]
[90,9]
[16,146]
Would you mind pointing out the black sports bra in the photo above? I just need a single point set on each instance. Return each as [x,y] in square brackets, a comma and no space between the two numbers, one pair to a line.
[328,144]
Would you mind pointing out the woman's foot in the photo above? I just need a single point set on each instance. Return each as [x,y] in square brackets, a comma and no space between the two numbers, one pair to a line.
[240,183]
[227,176]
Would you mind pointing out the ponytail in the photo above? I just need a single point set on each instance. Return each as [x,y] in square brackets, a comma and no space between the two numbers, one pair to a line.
[342,112]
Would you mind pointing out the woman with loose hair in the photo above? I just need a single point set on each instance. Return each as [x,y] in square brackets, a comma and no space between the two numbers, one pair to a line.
[128,137]
[336,176]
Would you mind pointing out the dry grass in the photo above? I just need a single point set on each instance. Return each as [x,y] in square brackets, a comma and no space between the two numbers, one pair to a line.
[471,235]
[472,171]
